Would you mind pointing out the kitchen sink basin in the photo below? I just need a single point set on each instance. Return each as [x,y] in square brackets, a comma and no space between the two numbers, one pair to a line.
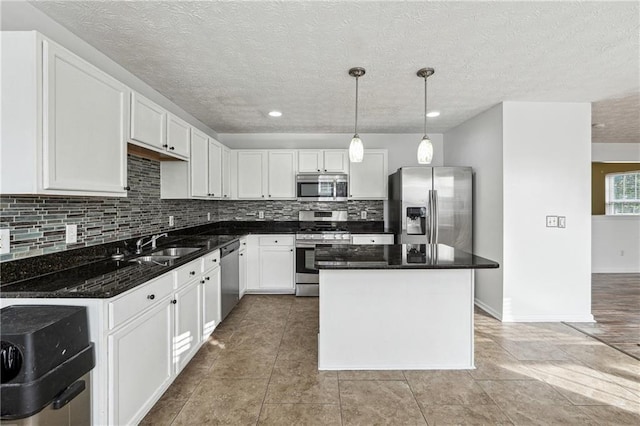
[155,260]
[175,251]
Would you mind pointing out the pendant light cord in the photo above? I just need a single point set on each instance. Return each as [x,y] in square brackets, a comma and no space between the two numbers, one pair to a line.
[356,128]
[425,105]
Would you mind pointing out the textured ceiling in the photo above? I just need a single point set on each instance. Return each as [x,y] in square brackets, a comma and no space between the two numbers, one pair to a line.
[620,117]
[230,62]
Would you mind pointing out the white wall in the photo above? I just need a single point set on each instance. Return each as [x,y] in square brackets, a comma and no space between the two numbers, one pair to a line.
[22,16]
[402,147]
[616,244]
[547,170]
[478,143]
[618,152]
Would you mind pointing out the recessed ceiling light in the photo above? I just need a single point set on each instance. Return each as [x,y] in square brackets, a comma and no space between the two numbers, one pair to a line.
[433,114]
[275,114]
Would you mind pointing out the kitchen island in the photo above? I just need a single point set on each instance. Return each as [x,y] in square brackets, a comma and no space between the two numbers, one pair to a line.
[396,307]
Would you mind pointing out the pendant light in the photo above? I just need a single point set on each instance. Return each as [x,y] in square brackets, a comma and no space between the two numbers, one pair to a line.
[425,148]
[356,149]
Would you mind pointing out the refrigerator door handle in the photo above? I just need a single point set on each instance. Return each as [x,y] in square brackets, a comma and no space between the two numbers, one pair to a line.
[434,215]
[429,221]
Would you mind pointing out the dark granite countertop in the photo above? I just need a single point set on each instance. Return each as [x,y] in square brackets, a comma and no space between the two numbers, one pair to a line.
[108,278]
[398,256]
[90,272]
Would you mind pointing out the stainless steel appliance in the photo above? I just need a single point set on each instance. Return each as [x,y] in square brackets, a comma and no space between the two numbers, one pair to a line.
[316,227]
[429,205]
[45,359]
[322,187]
[229,277]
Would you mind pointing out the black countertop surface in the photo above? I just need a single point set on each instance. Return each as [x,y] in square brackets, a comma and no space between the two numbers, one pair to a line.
[91,273]
[398,256]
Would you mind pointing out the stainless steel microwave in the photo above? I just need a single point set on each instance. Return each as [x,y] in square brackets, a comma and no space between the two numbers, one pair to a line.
[322,187]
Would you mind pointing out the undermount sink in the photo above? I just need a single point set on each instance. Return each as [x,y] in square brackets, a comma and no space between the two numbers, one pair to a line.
[156,260]
[175,251]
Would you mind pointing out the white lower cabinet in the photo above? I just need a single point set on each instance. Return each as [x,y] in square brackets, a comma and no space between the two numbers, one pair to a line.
[140,364]
[270,263]
[210,284]
[243,266]
[188,331]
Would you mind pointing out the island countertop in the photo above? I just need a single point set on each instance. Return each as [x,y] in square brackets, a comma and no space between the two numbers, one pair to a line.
[398,256]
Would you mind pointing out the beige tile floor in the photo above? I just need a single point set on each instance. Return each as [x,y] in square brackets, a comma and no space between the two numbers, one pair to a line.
[541,374]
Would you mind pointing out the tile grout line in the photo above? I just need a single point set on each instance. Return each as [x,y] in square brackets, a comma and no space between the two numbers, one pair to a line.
[414,397]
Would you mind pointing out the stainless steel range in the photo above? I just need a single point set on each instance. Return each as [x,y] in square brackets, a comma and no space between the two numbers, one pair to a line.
[316,227]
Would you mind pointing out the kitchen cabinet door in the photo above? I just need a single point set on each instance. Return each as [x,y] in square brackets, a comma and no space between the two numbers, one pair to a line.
[85,122]
[368,179]
[210,302]
[310,160]
[199,164]
[148,122]
[188,331]
[178,137]
[140,364]
[336,161]
[252,176]
[276,268]
[215,169]
[372,239]
[227,172]
[243,271]
[282,174]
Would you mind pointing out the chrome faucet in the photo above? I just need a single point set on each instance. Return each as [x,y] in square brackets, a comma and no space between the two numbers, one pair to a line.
[152,241]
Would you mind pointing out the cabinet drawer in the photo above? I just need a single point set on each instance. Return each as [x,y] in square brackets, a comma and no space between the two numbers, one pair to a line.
[188,272]
[277,240]
[210,261]
[372,239]
[139,300]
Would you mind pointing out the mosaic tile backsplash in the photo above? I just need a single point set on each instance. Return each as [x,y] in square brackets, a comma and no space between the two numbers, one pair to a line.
[37,223]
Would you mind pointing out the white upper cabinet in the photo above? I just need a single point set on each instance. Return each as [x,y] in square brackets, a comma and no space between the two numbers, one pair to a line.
[252,174]
[199,164]
[148,122]
[64,122]
[227,172]
[282,174]
[368,179]
[215,169]
[323,161]
[335,161]
[178,136]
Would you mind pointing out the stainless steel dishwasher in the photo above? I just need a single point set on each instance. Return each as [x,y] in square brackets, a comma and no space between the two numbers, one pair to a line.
[229,277]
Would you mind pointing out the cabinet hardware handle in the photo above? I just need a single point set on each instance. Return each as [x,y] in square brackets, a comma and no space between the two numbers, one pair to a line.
[373,241]
[262,195]
[276,241]
[207,278]
[215,260]
[127,188]
[291,250]
[244,244]
[318,169]
[213,195]
[325,170]
[241,254]
[201,281]
[151,296]
[172,148]
[174,301]
[192,273]
[165,145]
[269,195]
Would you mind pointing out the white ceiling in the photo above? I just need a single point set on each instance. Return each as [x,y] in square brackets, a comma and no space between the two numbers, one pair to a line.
[230,62]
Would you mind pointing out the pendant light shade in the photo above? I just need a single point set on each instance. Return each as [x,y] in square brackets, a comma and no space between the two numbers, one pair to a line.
[425,148]
[425,151]
[356,148]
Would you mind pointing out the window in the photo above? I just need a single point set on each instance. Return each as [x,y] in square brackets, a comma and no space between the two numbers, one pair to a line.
[623,193]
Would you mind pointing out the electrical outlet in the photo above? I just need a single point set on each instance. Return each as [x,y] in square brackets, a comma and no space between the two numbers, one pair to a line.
[562,221]
[260,214]
[171,221]
[363,214]
[5,246]
[552,221]
[208,216]
[71,234]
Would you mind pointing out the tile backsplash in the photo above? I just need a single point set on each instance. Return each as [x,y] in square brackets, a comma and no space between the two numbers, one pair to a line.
[37,223]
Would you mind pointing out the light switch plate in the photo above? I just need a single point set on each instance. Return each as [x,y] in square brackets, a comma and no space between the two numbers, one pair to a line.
[562,221]
[171,221]
[552,221]
[5,246]
[71,234]
[363,214]
[208,216]
[260,214]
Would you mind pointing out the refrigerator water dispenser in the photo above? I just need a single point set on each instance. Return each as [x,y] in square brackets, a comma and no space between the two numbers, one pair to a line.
[416,220]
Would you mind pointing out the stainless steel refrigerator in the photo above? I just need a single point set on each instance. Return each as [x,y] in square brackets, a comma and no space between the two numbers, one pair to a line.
[429,205]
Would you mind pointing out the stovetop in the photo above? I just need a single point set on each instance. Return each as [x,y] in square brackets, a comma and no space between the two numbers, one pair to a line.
[322,227]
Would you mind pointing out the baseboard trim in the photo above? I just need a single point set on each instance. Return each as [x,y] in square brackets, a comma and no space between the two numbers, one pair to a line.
[548,318]
[488,309]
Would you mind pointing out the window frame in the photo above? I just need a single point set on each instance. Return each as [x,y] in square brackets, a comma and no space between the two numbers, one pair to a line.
[611,202]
